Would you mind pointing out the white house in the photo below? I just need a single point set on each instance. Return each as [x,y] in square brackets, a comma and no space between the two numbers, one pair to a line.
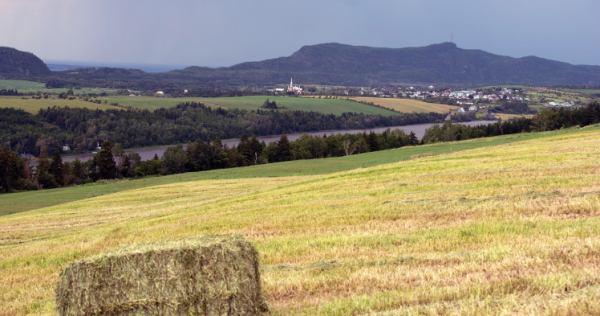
[66,148]
[461,110]
[473,108]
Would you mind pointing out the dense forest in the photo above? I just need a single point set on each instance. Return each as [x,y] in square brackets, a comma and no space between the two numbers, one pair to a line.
[82,129]
[111,162]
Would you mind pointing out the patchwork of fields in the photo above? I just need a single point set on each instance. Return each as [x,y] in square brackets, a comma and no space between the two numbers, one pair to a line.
[510,229]
[408,105]
[328,106]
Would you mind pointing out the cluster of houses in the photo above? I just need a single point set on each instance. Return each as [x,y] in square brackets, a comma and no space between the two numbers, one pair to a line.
[566,104]
[466,98]
[410,92]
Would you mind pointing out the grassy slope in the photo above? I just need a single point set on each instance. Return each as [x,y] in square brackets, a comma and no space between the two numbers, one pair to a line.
[33,106]
[334,106]
[25,201]
[512,229]
[409,105]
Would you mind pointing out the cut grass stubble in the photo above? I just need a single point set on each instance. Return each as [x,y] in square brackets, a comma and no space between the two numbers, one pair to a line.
[482,231]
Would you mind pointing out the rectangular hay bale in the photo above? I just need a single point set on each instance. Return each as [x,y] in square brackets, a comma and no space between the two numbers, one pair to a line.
[212,275]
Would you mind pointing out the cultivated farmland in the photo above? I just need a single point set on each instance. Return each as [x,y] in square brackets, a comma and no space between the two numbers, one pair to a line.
[408,105]
[329,106]
[25,86]
[33,105]
[511,229]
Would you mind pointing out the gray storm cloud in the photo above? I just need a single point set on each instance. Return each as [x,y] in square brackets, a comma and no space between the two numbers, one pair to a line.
[223,33]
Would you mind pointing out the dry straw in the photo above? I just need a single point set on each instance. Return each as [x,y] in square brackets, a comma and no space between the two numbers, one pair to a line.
[212,275]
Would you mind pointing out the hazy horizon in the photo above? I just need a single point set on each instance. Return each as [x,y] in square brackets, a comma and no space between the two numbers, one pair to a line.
[221,34]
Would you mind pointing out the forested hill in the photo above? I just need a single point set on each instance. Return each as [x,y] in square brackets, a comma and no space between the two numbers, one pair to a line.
[338,64]
[440,63]
[16,64]
[332,64]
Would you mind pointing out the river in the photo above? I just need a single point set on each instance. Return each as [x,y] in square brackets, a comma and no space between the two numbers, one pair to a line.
[418,129]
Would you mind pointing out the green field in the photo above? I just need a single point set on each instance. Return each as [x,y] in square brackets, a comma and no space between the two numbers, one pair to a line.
[29,86]
[512,229]
[329,106]
[505,86]
[584,91]
[149,103]
[33,106]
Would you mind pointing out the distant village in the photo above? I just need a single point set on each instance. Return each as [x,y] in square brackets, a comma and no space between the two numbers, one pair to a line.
[469,100]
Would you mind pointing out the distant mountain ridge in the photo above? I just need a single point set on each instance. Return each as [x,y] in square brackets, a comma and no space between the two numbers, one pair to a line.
[15,62]
[340,64]
[439,63]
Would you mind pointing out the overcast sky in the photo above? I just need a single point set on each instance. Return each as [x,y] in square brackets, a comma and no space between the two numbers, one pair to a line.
[223,33]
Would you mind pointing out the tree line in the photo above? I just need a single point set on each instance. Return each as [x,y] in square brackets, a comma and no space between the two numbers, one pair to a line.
[110,162]
[545,120]
[83,129]
[9,92]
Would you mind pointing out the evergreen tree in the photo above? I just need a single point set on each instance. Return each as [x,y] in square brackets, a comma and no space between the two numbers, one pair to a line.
[43,164]
[45,179]
[245,149]
[56,169]
[125,166]
[106,162]
[78,170]
[220,159]
[283,148]
[5,172]
[217,143]
[412,138]
[373,142]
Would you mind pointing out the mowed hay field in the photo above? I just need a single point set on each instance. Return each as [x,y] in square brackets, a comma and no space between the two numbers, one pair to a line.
[511,229]
[408,105]
[328,106]
[30,200]
[33,106]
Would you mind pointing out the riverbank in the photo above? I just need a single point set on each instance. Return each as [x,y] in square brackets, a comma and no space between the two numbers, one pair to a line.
[418,129]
